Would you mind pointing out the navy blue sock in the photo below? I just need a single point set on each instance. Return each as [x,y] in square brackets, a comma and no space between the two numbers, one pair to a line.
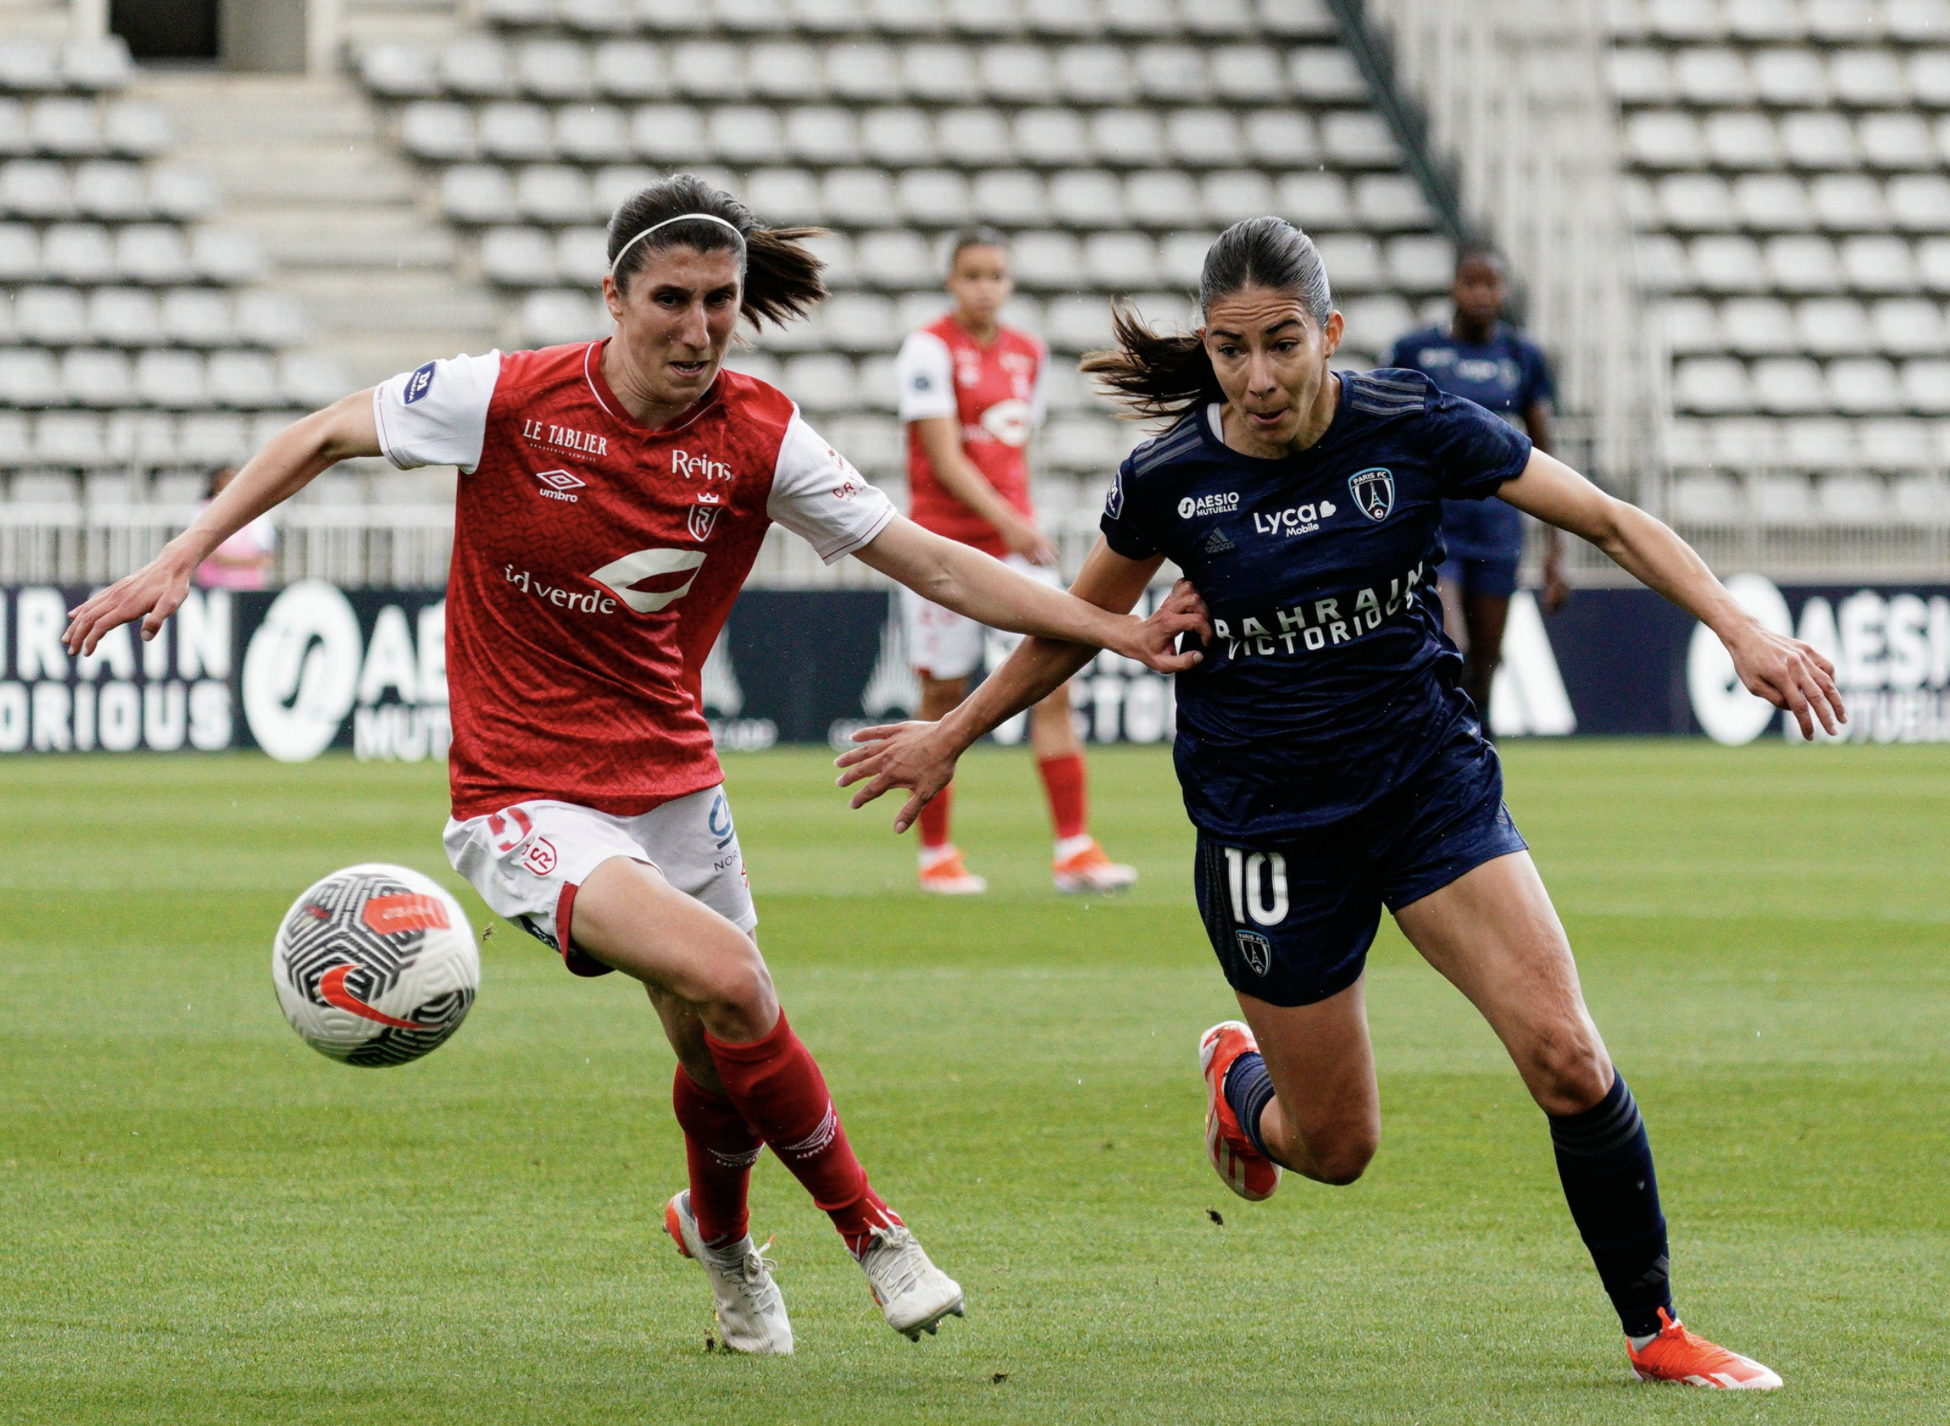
[1249,1089]
[1605,1162]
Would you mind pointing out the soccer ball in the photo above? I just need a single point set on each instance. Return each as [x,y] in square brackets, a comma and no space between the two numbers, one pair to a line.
[375,965]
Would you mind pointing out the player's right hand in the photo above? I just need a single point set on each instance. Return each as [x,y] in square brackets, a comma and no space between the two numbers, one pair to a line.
[1032,544]
[913,755]
[151,594]
[1156,641]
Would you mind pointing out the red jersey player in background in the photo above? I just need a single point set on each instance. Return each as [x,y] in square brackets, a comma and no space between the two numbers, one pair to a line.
[971,395]
[613,496]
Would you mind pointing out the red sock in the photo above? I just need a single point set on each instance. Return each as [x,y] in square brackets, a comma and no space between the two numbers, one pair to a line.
[782,1095]
[1064,779]
[721,1149]
[934,819]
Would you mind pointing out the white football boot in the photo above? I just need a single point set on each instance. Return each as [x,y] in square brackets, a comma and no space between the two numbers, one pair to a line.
[913,1293]
[751,1313]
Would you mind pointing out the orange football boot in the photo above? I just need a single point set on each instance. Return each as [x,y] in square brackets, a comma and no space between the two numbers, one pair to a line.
[1090,869]
[1677,1355]
[1246,1171]
[944,873]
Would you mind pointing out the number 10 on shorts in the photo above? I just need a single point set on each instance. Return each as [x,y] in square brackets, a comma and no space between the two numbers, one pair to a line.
[1258,884]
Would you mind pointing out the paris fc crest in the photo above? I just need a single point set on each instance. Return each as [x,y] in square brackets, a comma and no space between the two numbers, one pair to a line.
[1255,950]
[1373,491]
[704,515]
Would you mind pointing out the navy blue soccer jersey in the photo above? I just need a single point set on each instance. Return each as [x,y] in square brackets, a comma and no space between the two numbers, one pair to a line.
[1328,680]
[1507,375]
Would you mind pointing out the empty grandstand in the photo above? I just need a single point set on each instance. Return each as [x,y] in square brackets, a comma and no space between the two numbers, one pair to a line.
[1765,359]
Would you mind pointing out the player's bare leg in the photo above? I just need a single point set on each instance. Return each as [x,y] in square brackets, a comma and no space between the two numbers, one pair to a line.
[1324,1120]
[709,982]
[1495,935]
[942,869]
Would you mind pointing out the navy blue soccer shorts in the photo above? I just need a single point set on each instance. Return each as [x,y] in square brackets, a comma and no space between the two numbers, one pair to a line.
[1496,578]
[1292,920]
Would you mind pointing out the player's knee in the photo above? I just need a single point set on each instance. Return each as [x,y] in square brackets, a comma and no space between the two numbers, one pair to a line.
[735,990]
[1569,1073]
[1346,1158]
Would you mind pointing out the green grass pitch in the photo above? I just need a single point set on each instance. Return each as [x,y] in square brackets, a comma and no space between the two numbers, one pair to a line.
[201,1221]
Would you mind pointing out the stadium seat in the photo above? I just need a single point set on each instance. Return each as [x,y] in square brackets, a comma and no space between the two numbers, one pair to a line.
[226,255]
[1802,264]
[863,70]
[135,130]
[399,71]
[518,257]
[1691,324]
[1050,136]
[1817,139]
[862,322]
[1920,500]
[1353,262]
[171,379]
[1120,261]
[1161,198]
[1848,202]
[1865,386]
[820,381]
[1230,196]
[667,133]
[1087,198]
[898,258]
[1878,263]
[28,65]
[1833,326]
[1929,77]
[593,133]
[198,317]
[783,195]
[1745,139]
[1316,199]
[1200,138]
[515,14]
[1911,326]
[582,255]
[859,197]
[939,73]
[1010,197]
[1048,261]
[13,127]
[1179,74]
[554,69]
[271,319]
[835,250]
[1897,444]
[1789,385]
[1772,202]
[897,136]
[782,70]
[516,131]
[477,68]
[1093,74]
[1696,20]
[111,191]
[215,438]
[1017,73]
[1359,139]
[613,184]
[1728,263]
[31,188]
[1246,74]
[1763,20]
[67,128]
[1707,499]
[1696,202]
[823,135]
[28,377]
[244,379]
[597,17]
[1374,323]
[1127,136]
[1639,75]
[1926,385]
[1712,76]
[312,379]
[76,438]
[1851,499]
[1711,385]
[1868,77]
[85,253]
[1325,74]
[1920,202]
[50,316]
[1391,201]
[551,318]
[746,134]
[1790,76]
[630,69]
[1281,138]
[1778,499]
[437,131]
[1897,141]
[124,317]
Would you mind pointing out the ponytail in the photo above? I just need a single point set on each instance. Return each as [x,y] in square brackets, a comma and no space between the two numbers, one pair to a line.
[1159,375]
[781,275]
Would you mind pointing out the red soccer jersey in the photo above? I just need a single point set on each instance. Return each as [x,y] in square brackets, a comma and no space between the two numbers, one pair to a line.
[595,561]
[995,392]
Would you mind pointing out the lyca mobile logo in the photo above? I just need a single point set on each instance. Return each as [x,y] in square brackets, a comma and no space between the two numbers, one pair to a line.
[699,467]
[1294,520]
[1226,502]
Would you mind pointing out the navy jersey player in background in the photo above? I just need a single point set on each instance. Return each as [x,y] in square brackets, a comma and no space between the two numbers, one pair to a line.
[1480,357]
[1329,759]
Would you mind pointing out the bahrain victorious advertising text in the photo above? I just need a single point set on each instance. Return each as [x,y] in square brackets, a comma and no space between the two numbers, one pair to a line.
[312,667]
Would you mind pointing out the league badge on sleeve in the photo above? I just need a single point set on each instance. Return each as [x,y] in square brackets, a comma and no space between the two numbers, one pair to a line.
[420,382]
[1373,491]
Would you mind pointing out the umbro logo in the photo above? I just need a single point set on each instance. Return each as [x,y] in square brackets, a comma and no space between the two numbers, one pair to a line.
[559,483]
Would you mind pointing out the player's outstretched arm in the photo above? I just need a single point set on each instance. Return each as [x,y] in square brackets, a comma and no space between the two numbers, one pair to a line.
[1783,670]
[288,463]
[921,756]
[961,578]
[940,438]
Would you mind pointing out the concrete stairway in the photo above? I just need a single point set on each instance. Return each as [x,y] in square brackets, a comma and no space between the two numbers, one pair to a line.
[349,227]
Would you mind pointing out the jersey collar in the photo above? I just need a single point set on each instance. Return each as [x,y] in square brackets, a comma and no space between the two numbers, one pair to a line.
[592,372]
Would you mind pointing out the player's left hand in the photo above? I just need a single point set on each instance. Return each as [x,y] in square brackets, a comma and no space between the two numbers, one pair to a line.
[1789,674]
[1154,642]
[913,755]
[1555,590]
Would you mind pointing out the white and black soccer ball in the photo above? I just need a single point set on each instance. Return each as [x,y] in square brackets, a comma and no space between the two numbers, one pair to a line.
[375,965]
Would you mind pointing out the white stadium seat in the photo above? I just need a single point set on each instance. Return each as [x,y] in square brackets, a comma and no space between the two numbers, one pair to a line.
[399,71]
[75,438]
[1236,194]
[1017,73]
[1161,198]
[31,188]
[1865,386]
[215,438]
[1789,385]
[1087,198]
[271,319]
[1316,199]
[820,381]
[1897,141]
[667,133]
[1921,499]
[598,17]
[1910,326]
[1802,264]
[1664,138]
[517,131]
[939,74]
[1010,197]
[1423,263]
[1818,138]
[1353,262]
[1093,74]
[1050,136]
[50,316]
[1710,75]
[582,255]
[1712,384]
[173,380]
[312,379]
[1639,75]
[1707,499]
[630,69]
[1878,263]
[746,134]
[1178,74]
[1249,74]
[68,128]
[243,378]
[1790,75]
[226,255]
[897,136]
[85,252]
[518,257]
[1844,499]
[551,318]
[1691,325]
[822,134]
[478,68]
[1742,138]
[1868,77]
[783,195]
[1772,202]
[198,316]
[1048,260]
[1127,135]
[1325,74]
[1202,138]
[1848,202]
[1781,499]
[13,127]
[860,197]
[1757,326]
[554,69]
[479,193]
[1919,202]
[614,184]
[1833,326]
[136,130]
[1391,201]
[862,70]
[898,258]
[861,322]
[438,131]
[96,65]
[1077,324]
[1927,385]
[1728,263]
[1696,202]
[1359,138]
[934,196]
[1181,256]
[1281,138]
[1120,261]
[124,316]
[784,70]
[1897,444]
[28,377]
[593,133]
[835,250]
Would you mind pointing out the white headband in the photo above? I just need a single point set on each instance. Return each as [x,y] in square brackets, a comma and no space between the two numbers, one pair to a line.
[731,228]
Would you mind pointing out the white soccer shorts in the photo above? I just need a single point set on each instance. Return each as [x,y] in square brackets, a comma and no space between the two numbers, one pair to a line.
[943,644]
[529,860]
